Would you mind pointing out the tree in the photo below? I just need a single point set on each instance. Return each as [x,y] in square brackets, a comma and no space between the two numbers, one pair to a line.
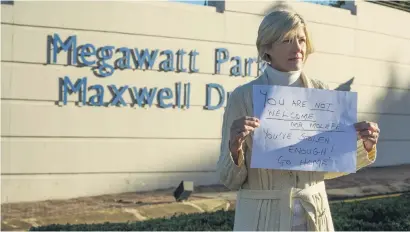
[401,5]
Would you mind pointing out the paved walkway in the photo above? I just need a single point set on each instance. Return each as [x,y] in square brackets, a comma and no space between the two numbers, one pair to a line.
[147,205]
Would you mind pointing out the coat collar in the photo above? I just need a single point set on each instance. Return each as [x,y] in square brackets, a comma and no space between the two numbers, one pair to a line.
[306,81]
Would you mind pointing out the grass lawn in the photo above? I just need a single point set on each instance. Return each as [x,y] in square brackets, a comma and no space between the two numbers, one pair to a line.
[376,214]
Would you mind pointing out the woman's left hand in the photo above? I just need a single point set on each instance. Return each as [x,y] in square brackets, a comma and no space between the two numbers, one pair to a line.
[369,133]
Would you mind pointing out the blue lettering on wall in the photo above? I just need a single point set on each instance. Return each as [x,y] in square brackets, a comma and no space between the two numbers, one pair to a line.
[178,94]
[221,56]
[102,62]
[145,58]
[248,66]
[117,95]
[104,54]
[139,96]
[236,70]
[164,94]
[180,60]
[98,98]
[79,87]
[167,64]
[124,61]
[69,46]
[192,61]
[144,96]
[165,97]
[85,52]
[221,94]
[187,94]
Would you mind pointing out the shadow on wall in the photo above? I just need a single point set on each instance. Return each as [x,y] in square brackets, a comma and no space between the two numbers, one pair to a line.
[393,112]
[393,121]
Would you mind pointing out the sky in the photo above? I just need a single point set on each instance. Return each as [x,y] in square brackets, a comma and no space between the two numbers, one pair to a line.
[199,2]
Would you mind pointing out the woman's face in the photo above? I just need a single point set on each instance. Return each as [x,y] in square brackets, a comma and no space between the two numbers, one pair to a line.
[289,54]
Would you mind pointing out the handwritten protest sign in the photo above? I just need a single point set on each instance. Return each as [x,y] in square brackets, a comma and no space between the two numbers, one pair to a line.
[304,129]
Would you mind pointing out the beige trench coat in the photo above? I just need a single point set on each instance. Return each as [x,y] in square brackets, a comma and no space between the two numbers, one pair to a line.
[265,197]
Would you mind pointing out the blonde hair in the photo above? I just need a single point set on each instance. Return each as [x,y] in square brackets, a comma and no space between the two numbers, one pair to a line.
[277,25]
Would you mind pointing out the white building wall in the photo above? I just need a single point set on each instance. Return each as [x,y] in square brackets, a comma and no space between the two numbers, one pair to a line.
[55,151]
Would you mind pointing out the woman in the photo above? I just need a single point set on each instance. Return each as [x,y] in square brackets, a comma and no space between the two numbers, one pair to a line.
[279,199]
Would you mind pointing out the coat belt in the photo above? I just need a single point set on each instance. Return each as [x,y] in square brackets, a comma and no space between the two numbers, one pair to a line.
[286,198]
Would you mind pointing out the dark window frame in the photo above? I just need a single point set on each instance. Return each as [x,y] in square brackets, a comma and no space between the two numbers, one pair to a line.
[7,2]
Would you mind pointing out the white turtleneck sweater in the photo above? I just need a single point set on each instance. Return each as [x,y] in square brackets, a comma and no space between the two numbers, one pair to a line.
[276,77]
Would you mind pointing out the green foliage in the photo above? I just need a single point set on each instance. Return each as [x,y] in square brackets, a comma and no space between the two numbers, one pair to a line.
[220,220]
[404,4]
[382,214]
[400,5]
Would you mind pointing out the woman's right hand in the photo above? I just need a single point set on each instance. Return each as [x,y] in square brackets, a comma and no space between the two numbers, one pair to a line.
[240,128]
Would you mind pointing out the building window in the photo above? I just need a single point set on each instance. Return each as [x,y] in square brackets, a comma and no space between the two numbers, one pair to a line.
[219,4]
[333,3]
[7,2]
